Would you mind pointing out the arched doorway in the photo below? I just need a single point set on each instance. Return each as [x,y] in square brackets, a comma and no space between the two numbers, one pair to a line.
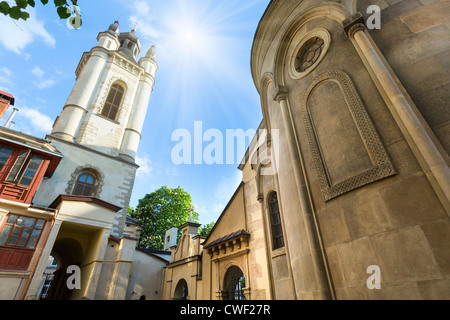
[234,284]
[181,290]
[67,252]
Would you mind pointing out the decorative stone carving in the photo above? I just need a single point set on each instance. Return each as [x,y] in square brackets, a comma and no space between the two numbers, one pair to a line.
[381,164]
[104,95]
[353,24]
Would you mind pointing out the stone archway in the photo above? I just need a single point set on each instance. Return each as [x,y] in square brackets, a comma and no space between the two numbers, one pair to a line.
[233,284]
[181,291]
[68,252]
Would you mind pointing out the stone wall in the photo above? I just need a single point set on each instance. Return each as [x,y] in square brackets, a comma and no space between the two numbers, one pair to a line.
[117,175]
[415,39]
[393,219]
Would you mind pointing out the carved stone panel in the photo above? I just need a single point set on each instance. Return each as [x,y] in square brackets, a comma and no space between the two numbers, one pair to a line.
[345,146]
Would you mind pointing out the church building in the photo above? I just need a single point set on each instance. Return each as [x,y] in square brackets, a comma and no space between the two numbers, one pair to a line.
[347,196]
[67,196]
[345,191]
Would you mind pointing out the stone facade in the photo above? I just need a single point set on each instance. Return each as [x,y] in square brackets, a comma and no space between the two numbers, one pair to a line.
[385,218]
[355,153]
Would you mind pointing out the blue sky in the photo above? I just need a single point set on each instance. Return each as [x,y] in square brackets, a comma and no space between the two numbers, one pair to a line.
[203,51]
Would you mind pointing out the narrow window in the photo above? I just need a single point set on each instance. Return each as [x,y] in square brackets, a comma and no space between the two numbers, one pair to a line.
[18,165]
[275,222]
[85,185]
[113,102]
[24,169]
[30,171]
[5,153]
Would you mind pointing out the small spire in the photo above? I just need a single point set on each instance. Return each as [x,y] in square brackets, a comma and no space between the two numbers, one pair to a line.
[190,214]
[151,52]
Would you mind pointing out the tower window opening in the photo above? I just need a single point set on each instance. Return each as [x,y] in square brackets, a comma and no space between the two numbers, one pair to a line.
[113,102]
[85,185]
[309,53]
[275,222]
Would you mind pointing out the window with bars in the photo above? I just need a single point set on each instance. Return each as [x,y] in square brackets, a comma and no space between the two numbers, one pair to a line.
[309,53]
[85,185]
[275,222]
[113,102]
[21,232]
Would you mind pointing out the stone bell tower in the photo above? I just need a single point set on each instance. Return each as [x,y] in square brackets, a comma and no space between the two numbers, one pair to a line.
[99,128]
[108,103]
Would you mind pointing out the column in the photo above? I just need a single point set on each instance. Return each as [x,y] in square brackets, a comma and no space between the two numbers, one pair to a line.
[410,121]
[316,249]
[123,268]
[66,126]
[132,135]
[93,268]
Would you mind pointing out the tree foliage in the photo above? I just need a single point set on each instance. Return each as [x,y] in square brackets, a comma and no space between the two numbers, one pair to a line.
[64,9]
[158,211]
[206,229]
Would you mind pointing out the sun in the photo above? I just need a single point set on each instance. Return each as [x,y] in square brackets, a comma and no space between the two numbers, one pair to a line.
[188,36]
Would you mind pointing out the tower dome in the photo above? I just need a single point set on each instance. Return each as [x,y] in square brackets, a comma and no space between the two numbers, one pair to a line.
[114,28]
[129,44]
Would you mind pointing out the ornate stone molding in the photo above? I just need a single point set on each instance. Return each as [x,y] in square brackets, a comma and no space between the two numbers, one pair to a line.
[382,166]
[353,24]
[320,33]
[355,28]
[104,96]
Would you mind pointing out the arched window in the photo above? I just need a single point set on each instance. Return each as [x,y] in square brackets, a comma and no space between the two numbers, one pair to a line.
[275,222]
[85,185]
[181,290]
[113,102]
[234,284]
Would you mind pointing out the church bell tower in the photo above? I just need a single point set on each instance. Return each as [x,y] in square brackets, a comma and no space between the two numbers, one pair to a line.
[99,128]
[108,103]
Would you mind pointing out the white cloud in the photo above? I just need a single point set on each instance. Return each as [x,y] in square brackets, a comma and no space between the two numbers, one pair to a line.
[226,188]
[173,171]
[38,72]
[146,168]
[16,35]
[45,84]
[38,121]
[142,7]
[42,83]
[5,76]
[217,208]
[200,209]
[142,22]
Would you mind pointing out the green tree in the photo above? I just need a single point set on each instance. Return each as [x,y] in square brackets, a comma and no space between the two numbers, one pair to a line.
[64,9]
[158,211]
[206,229]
